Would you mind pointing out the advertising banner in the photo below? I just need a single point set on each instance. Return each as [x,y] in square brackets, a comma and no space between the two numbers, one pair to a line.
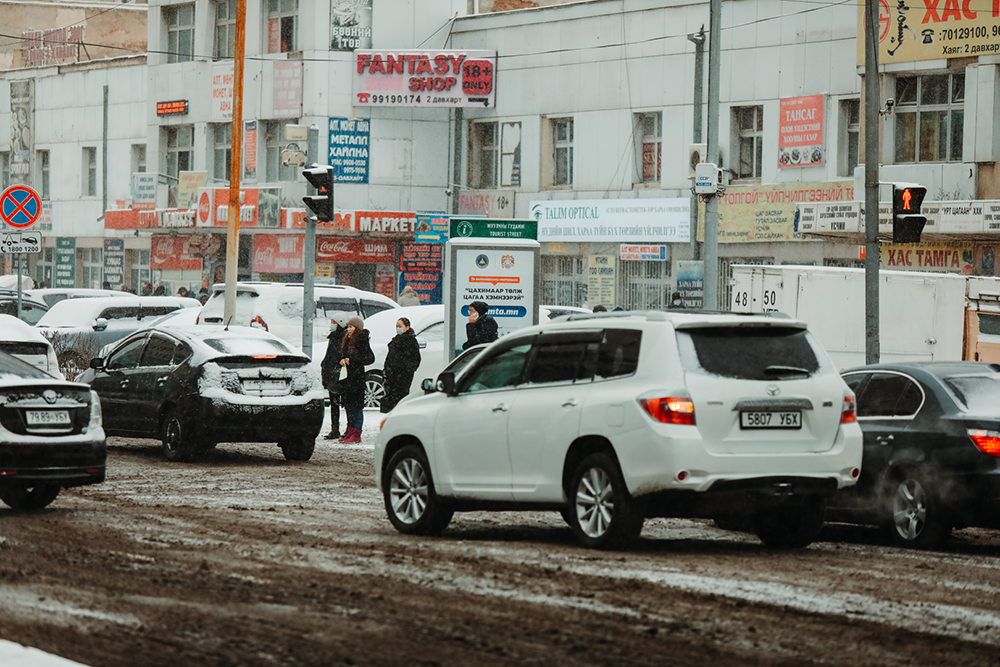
[65,262]
[349,145]
[350,25]
[259,207]
[421,257]
[933,257]
[278,253]
[286,89]
[143,191]
[691,282]
[932,30]
[223,78]
[601,281]
[114,262]
[485,228]
[250,150]
[432,228]
[336,249]
[172,253]
[427,284]
[22,131]
[642,252]
[614,220]
[491,203]
[188,184]
[800,131]
[768,212]
[424,78]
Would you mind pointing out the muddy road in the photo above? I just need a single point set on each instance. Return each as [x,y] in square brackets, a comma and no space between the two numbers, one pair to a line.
[243,558]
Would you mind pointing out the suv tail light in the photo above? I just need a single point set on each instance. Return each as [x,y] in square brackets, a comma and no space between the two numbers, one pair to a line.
[849,414]
[988,442]
[670,410]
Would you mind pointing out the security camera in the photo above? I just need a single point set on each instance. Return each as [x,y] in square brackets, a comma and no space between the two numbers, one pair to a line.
[889,103]
[447,192]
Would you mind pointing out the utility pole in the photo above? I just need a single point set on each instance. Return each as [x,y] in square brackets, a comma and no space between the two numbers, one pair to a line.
[309,258]
[235,164]
[873,255]
[711,298]
[698,39]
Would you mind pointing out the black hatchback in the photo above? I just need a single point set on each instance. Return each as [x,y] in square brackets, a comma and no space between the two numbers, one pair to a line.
[931,450]
[196,386]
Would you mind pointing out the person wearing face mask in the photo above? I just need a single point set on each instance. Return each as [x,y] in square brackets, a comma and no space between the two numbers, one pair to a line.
[676,301]
[481,328]
[400,364]
[330,369]
[355,354]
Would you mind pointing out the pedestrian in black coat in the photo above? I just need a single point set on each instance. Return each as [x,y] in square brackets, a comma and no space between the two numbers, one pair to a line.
[481,328]
[330,369]
[400,364]
[355,354]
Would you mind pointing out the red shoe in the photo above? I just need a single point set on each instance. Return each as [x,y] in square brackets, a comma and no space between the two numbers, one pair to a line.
[353,435]
[347,434]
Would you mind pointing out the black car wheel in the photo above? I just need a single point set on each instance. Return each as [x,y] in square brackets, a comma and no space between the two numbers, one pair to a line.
[602,512]
[916,516]
[28,496]
[793,525]
[410,500]
[177,445]
[298,448]
[374,389]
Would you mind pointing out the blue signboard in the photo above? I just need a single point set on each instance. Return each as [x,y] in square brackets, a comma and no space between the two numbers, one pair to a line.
[432,228]
[350,144]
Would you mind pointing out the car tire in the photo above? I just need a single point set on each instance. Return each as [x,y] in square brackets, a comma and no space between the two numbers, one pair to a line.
[410,500]
[177,442]
[602,512]
[28,497]
[915,515]
[374,389]
[298,448]
[793,525]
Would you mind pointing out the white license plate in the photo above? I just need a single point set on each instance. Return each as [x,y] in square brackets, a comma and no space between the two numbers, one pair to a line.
[783,419]
[48,417]
[264,385]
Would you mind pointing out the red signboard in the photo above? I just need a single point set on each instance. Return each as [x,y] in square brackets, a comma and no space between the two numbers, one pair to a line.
[172,253]
[338,249]
[421,257]
[800,131]
[127,218]
[278,253]
[401,224]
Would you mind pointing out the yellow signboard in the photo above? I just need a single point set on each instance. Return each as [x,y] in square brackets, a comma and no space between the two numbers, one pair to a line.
[932,29]
[767,212]
[934,257]
[601,281]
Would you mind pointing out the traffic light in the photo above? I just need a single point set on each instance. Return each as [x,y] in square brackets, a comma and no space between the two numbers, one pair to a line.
[907,223]
[321,203]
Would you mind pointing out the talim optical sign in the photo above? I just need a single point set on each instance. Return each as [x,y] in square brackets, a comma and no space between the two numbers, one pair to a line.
[447,78]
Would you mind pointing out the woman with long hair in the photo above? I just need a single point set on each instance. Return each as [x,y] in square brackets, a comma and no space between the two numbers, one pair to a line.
[401,363]
[355,354]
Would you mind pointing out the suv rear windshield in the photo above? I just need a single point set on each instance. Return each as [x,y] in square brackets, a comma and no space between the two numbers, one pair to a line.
[749,353]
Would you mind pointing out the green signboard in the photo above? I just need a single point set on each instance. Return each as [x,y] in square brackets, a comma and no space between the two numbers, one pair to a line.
[490,228]
[65,262]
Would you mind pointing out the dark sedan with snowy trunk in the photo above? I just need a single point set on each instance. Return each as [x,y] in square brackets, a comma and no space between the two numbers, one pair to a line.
[195,386]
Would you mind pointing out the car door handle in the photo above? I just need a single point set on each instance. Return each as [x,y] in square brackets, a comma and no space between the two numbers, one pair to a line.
[124,383]
[500,408]
[570,403]
[161,381]
[883,439]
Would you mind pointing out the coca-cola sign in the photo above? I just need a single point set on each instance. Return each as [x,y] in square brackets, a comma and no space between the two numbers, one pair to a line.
[353,250]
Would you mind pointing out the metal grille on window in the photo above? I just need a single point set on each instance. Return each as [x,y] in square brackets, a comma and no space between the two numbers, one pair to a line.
[930,118]
[726,278]
[644,285]
[563,280]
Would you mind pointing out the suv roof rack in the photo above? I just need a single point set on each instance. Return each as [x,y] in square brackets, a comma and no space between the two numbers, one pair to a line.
[661,315]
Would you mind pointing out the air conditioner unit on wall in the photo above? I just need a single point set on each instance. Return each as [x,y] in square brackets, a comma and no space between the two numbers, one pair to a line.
[696,155]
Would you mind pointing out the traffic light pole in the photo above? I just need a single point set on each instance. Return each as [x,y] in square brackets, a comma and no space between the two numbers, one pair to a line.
[873,255]
[309,258]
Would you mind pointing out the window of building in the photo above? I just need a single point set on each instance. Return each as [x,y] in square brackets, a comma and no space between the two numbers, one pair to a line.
[138,158]
[274,140]
[4,170]
[179,157]
[90,171]
[43,165]
[140,271]
[562,134]
[223,134]
[45,268]
[485,155]
[225,29]
[282,26]
[92,261]
[749,128]
[180,33]
[930,118]
[564,280]
[850,121]
[649,137]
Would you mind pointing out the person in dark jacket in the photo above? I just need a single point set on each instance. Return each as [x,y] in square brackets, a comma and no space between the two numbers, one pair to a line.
[355,354]
[481,328]
[400,364]
[330,369]
[676,301]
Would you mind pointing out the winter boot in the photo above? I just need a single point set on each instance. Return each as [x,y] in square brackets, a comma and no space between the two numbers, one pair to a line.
[353,435]
[347,434]
[332,435]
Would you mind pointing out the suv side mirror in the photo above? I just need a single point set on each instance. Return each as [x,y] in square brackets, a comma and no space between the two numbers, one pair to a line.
[421,343]
[428,386]
[446,383]
[97,363]
[100,324]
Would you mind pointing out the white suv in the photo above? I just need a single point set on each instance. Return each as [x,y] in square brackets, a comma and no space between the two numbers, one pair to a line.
[614,418]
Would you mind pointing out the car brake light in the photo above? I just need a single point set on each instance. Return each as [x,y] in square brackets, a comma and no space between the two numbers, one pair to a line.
[849,414]
[670,410]
[988,442]
[265,356]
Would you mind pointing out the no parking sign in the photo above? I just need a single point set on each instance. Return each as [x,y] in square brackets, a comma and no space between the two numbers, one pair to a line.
[20,206]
